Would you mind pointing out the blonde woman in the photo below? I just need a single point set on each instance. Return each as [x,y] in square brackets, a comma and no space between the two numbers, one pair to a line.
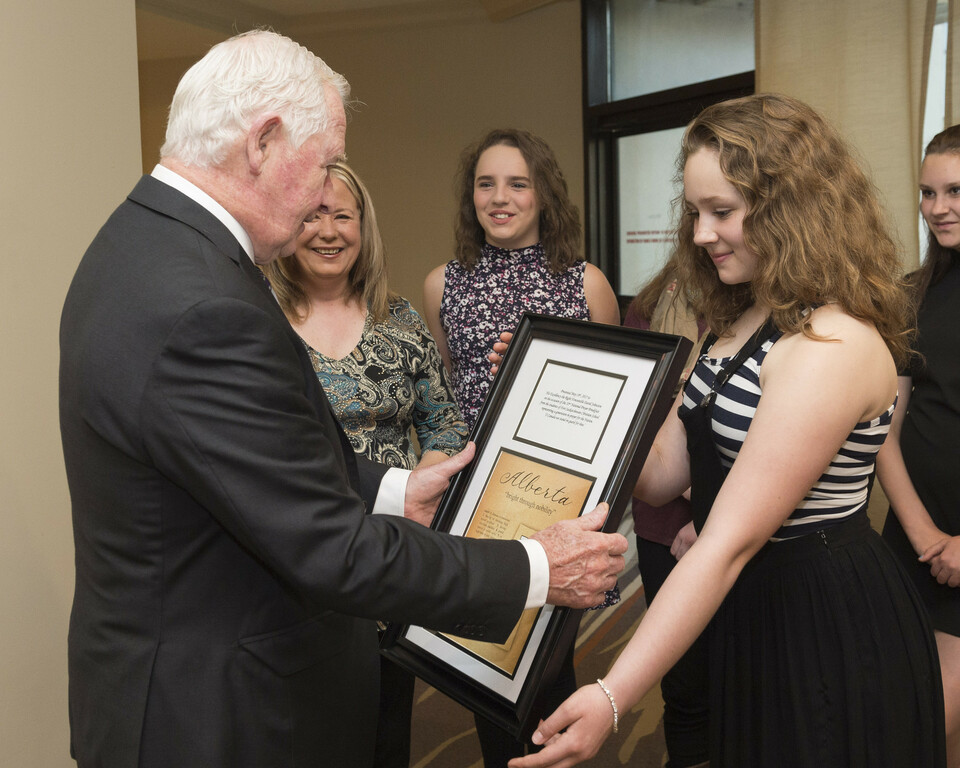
[378,366]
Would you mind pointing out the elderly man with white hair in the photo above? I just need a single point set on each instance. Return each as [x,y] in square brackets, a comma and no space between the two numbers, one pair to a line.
[228,573]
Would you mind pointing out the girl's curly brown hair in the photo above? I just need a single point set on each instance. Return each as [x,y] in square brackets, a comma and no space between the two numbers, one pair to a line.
[559,218]
[813,221]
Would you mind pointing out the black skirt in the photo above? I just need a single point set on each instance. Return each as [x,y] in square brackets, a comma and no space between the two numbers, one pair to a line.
[822,655]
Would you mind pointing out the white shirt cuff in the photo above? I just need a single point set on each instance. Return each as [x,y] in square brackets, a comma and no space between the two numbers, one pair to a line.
[390,498]
[539,573]
[392,492]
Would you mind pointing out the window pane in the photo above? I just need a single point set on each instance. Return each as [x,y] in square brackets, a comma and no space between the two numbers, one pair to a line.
[934,116]
[646,169]
[661,44]
[934,113]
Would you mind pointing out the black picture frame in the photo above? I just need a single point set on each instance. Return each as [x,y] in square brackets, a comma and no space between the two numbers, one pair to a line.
[580,402]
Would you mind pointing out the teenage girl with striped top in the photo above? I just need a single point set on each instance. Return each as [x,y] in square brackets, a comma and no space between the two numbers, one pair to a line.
[820,652]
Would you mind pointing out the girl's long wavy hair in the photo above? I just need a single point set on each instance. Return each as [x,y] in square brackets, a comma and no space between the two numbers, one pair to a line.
[938,258]
[368,276]
[646,300]
[812,220]
[560,228]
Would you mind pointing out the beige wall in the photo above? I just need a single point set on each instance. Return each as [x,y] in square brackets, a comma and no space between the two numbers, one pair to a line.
[875,101]
[158,80]
[427,91]
[69,93]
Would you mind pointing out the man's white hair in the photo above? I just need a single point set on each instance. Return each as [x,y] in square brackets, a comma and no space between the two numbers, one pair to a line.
[240,79]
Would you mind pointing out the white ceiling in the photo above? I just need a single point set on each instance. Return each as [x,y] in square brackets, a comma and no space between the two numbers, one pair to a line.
[178,28]
[301,7]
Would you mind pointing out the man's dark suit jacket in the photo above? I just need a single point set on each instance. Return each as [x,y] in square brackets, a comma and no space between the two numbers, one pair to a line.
[227,575]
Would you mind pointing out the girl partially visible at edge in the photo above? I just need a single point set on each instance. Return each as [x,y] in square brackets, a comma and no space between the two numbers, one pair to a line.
[665,533]
[918,464]
[820,650]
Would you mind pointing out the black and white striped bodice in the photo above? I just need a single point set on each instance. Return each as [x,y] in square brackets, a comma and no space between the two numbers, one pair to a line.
[841,490]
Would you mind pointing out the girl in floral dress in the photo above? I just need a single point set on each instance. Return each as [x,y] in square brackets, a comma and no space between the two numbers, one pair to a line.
[518,249]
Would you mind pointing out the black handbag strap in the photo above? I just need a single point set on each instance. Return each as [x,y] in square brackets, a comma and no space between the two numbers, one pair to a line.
[758,339]
[707,473]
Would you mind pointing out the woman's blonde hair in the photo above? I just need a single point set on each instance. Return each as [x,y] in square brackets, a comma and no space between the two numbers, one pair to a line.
[368,276]
[813,221]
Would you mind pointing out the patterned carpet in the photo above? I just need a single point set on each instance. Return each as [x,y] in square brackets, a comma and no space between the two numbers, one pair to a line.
[443,732]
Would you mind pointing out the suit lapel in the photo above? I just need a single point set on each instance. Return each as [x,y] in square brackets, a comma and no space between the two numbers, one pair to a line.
[168,201]
[257,277]
[322,404]
[171,202]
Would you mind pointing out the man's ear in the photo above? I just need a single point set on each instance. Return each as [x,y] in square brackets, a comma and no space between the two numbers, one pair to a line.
[264,132]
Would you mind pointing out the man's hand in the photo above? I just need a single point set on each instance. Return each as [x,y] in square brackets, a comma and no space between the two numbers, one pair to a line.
[426,485]
[583,563]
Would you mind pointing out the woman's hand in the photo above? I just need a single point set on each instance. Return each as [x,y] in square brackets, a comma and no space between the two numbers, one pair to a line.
[683,540]
[499,350]
[944,560]
[429,458]
[586,720]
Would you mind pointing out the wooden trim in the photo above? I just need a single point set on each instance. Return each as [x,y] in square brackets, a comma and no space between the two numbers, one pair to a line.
[501,10]
[668,109]
[230,16]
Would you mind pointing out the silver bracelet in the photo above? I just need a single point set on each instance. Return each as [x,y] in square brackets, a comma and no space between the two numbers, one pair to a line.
[613,703]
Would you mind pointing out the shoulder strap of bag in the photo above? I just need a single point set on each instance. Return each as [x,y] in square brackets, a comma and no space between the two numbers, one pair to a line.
[757,340]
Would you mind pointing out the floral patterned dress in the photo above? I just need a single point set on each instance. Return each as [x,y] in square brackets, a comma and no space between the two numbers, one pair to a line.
[392,380]
[480,303]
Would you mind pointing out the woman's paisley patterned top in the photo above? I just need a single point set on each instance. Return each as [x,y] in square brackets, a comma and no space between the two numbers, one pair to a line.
[392,380]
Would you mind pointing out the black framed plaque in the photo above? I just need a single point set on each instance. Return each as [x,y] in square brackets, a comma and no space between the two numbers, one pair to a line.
[567,424]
